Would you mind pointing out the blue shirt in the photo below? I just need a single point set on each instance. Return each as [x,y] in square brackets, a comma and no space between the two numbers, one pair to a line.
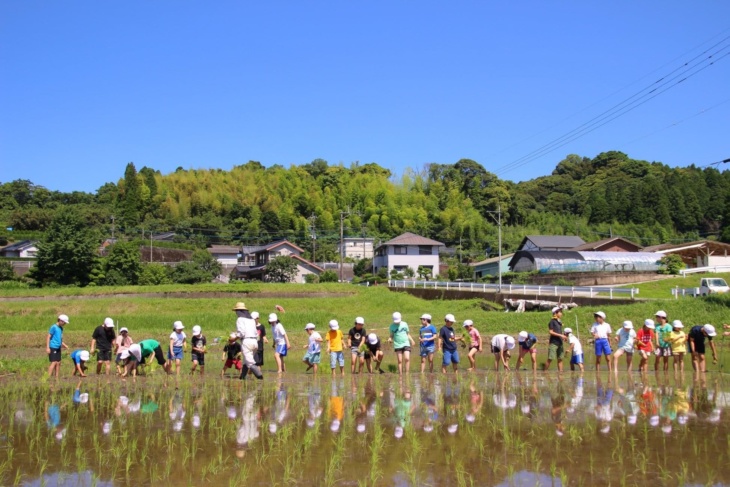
[56,333]
[449,339]
[428,333]
[75,356]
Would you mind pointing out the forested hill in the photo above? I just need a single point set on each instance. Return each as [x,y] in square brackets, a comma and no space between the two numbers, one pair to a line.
[454,203]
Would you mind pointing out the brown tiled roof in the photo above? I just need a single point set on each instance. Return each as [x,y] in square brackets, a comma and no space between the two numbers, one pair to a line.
[409,238]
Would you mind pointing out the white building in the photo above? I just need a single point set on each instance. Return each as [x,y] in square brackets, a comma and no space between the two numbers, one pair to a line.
[356,248]
[408,250]
[21,250]
[227,255]
[253,263]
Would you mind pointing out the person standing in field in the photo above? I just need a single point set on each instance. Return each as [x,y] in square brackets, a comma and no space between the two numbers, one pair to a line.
[427,338]
[54,344]
[334,347]
[696,340]
[663,348]
[528,344]
[281,342]
[556,350]
[246,327]
[402,341]
[475,344]
[138,354]
[121,344]
[101,342]
[678,341]
[374,353]
[198,350]
[501,346]
[645,339]
[625,339]
[178,342]
[355,337]
[576,350]
[314,349]
[601,331]
[447,344]
[261,330]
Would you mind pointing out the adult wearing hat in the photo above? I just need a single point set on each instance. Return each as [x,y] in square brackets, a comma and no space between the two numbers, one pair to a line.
[663,349]
[556,350]
[102,341]
[601,331]
[625,339]
[696,339]
[246,327]
[54,344]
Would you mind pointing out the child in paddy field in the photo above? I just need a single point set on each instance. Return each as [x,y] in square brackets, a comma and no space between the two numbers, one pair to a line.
[576,350]
[678,341]
[625,339]
[427,337]
[54,343]
[400,335]
[601,331]
[281,342]
[122,344]
[314,349]
[374,353]
[178,341]
[527,343]
[198,350]
[334,347]
[79,358]
[232,353]
[645,339]
[475,343]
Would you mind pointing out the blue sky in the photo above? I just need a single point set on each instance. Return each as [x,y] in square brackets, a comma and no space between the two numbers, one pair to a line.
[86,87]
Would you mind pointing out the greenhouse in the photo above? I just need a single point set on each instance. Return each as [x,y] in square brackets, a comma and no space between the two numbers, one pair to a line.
[573,261]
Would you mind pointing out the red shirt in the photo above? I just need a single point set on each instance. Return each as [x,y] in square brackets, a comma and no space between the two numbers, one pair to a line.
[645,340]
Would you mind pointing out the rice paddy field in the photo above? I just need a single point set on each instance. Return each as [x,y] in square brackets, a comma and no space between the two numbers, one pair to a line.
[478,428]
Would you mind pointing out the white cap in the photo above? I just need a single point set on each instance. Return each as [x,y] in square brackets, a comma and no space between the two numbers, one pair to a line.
[556,309]
[84,355]
[334,325]
[654,421]
[628,325]
[398,432]
[361,428]
[255,315]
[631,419]
[359,320]
[231,412]
[661,314]
[649,324]
[63,318]
[525,408]
[667,428]
[677,324]
[567,330]
[682,419]
[372,339]
[108,322]
[426,316]
[450,317]
[468,323]
[106,428]
[196,421]
[177,426]
[84,397]
[600,313]
[397,317]
[522,336]
[309,326]
[272,428]
[196,330]
[123,329]
[178,325]
[335,426]
[710,330]
[427,428]
[452,428]
[605,428]
[233,336]
[510,341]
[124,355]
[273,317]
[470,418]
[136,350]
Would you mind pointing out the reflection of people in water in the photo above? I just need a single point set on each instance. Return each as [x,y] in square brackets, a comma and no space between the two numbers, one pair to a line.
[557,402]
[53,420]
[362,412]
[281,409]
[529,402]
[81,398]
[150,405]
[451,407]
[248,431]
[604,405]
[402,410]
[476,400]
[177,412]
[577,395]
[314,398]
[337,408]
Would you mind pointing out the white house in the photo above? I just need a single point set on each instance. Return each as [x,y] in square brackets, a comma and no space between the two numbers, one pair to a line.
[356,248]
[227,255]
[25,249]
[253,265]
[408,250]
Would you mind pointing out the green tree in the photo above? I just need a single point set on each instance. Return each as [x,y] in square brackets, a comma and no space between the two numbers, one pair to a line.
[124,259]
[671,264]
[281,269]
[154,274]
[203,267]
[6,271]
[424,273]
[329,276]
[131,199]
[67,252]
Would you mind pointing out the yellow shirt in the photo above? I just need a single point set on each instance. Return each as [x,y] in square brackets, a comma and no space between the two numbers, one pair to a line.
[334,337]
[678,341]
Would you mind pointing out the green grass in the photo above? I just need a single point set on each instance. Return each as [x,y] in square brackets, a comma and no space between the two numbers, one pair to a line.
[663,289]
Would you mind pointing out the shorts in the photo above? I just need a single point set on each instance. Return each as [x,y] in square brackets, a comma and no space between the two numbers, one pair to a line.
[698,348]
[335,358]
[451,357]
[103,355]
[644,354]
[496,349]
[576,359]
[176,354]
[313,358]
[426,351]
[158,355]
[55,355]
[233,362]
[602,347]
[118,359]
[556,351]
[627,350]
[281,350]
[356,351]
[663,351]
[258,357]
[402,349]
[198,357]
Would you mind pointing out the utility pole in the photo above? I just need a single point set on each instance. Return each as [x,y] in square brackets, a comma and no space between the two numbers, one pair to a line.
[313,234]
[342,235]
[498,219]
[112,227]
[150,246]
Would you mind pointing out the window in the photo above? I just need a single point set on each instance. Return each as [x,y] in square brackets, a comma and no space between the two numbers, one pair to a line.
[425,250]
[400,250]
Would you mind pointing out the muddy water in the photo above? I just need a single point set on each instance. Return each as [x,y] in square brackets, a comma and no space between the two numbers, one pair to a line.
[513,429]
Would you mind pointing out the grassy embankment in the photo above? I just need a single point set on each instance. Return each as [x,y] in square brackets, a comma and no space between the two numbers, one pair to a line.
[25,323]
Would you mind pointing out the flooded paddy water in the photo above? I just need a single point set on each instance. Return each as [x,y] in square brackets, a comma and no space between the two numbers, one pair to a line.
[517,428]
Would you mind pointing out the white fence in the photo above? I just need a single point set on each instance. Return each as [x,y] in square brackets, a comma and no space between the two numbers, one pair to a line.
[529,289]
[700,270]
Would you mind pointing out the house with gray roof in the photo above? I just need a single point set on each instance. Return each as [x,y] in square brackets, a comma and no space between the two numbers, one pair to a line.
[550,242]
[408,250]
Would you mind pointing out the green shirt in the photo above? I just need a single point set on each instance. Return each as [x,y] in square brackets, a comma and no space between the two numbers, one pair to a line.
[662,332]
[148,347]
[399,332]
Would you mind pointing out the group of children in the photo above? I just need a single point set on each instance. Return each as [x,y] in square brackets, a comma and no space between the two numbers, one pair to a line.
[656,337]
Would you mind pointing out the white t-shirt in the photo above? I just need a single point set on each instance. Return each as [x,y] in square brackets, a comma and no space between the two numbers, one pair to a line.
[279,334]
[177,338]
[577,347]
[246,327]
[315,342]
[626,338]
[601,330]
[500,341]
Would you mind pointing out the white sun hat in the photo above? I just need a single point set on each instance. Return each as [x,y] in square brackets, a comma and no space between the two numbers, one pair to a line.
[397,317]
[710,330]
[372,339]
[273,318]
[449,317]
[178,325]
[108,323]
[196,330]
[84,355]
[334,325]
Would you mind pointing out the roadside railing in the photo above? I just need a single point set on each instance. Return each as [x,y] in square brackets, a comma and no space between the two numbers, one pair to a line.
[529,289]
[700,270]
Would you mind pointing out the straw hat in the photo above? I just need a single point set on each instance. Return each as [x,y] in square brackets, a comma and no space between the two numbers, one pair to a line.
[240,307]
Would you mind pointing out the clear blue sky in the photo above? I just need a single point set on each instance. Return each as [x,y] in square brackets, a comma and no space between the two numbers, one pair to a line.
[86,87]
